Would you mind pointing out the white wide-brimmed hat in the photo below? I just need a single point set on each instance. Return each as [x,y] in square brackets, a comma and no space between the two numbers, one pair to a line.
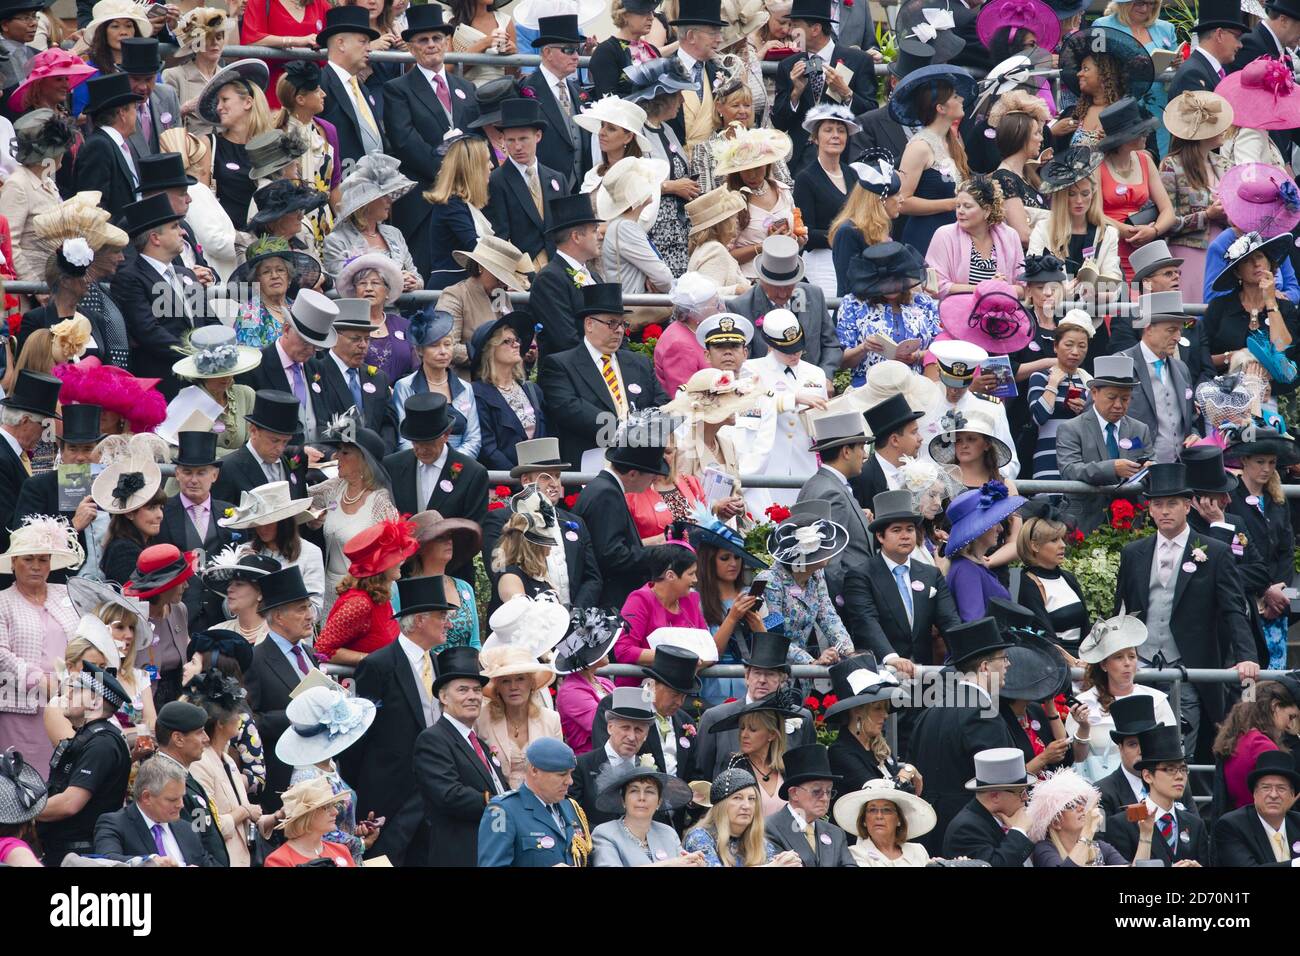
[214,353]
[943,446]
[501,259]
[629,183]
[90,628]
[834,112]
[617,112]
[916,813]
[267,504]
[535,624]
[108,10]
[323,722]
[526,13]
[713,395]
[890,378]
[42,534]
[127,484]
[88,596]
[375,175]
[1110,636]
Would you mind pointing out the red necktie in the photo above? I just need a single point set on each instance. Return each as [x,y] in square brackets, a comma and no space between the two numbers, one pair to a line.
[478,749]
[1165,824]
[440,87]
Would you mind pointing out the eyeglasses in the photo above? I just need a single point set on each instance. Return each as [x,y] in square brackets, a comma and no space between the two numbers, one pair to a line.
[1174,770]
[614,325]
[509,342]
[818,793]
[889,811]
[1278,788]
[566,50]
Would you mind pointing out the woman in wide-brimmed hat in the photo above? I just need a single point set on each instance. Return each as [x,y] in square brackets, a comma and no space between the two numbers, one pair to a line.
[1264,98]
[273,273]
[1143,23]
[1075,230]
[864,696]
[617,125]
[732,832]
[368,192]
[1063,816]
[868,214]
[361,619]
[638,791]
[51,77]
[802,546]
[212,361]
[234,573]
[886,820]
[578,656]
[234,101]
[883,300]
[42,140]
[111,21]
[449,542]
[1132,192]
[746,163]
[494,268]
[311,811]
[627,200]
[1100,65]
[823,185]
[990,317]
[513,716]
[715,223]
[976,519]
[271,516]
[378,279]
[131,491]
[1198,122]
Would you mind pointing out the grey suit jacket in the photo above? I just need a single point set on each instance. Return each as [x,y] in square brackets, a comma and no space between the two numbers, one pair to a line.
[164,114]
[611,846]
[855,27]
[1081,455]
[844,511]
[1143,405]
[821,345]
[714,750]
[832,842]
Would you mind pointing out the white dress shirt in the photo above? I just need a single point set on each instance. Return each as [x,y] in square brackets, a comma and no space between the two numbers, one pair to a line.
[273,469]
[168,838]
[430,75]
[616,759]
[557,572]
[117,137]
[893,474]
[426,476]
[416,656]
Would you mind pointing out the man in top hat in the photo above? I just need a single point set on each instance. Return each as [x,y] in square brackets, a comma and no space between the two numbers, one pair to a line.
[538,824]
[1163,399]
[398,678]
[829,71]
[725,337]
[165,173]
[592,388]
[625,721]
[1186,590]
[947,737]
[1265,832]
[633,459]
[284,362]
[555,87]
[699,26]
[1219,28]
[190,520]
[807,785]
[160,302]
[1133,715]
[452,768]
[574,572]
[670,679]
[781,285]
[574,230]
[355,112]
[522,188]
[839,440]
[160,105]
[347,381]
[25,414]
[767,668]
[879,129]
[1178,837]
[280,662]
[1155,270]
[1274,36]
[894,432]
[1104,445]
[105,162]
[179,730]
[958,362]
[263,459]
[893,603]
[992,826]
[40,493]
[420,107]
[431,475]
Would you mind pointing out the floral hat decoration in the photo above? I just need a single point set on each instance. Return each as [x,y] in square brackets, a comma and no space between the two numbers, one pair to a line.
[808,536]
[380,547]
[977,510]
[713,395]
[592,632]
[323,722]
[42,534]
[195,26]
[71,336]
[750,149]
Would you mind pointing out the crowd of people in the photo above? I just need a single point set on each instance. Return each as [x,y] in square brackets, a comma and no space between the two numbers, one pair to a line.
[264,605]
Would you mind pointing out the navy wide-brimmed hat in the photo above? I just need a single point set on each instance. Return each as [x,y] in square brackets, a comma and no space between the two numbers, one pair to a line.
[1277,248]
[886,268]
[1131,60]
[709,530]
[902,104]
[520,321]
[1124,121]
[656,78]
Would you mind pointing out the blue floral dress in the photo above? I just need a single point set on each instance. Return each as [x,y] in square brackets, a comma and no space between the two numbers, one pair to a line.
[255,326]
[857,321]
[802,609]
[702,840]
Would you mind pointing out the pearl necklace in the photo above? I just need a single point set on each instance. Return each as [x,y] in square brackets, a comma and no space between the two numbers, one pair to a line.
[760,191]
[353,500]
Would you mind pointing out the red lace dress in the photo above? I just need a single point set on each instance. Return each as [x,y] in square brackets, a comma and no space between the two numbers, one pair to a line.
[357,623]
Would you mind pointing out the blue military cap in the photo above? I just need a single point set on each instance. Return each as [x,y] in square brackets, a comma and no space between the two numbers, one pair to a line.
[551,755]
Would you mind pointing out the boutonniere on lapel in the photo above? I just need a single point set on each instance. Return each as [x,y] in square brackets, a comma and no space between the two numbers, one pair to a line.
[528,93]
[688,733]
[315,382]
[496,755]
[228,513]
[455,469]
[792,725]
[579,276]
[1239,542]
[295,461]
[1198,556]
[584,96]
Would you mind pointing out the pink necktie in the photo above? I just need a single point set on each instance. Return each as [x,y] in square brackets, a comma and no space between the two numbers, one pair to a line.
[198,516]
[301,658]
[478,749]
[440,87]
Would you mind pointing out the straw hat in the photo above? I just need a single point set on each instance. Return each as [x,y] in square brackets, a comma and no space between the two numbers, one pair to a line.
[749,149]
[305,797]
[41,534]
[507,661]
[617,112]
[629,183]
[195,26]
[713,207]
[267,504]
[126,485]
[78,217]
[916,813]
[323,722]
[889,378]
[742,17]
[374,175]
[713,395]
[1197,115]
[501,259]
[108,10]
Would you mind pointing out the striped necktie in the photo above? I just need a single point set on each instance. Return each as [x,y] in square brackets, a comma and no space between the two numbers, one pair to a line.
[611,381]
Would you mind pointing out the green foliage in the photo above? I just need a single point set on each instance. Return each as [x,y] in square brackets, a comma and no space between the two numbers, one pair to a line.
[1095,562]
[1183,15]
[482,593]
[887,43]
[843,380]
[756,539]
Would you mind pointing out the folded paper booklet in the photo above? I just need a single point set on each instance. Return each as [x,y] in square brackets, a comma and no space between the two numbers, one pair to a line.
[889,348]
[1136,479]
[999,366]
[377,861]
[1164,59]
[717,485]
[74,486]
[314,678]
[845,72]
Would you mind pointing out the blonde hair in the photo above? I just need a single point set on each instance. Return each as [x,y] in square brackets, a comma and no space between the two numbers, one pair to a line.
[769,721]
[865,212]
[77,648]
[738,92]
[463,173]
[194,151]
[259,114]
[489,370]
[109,613]
[514,548]
[1058,219]
[753,842]
[879,746]
[1035,533]
[1123,12]
[722,232]
[38,352]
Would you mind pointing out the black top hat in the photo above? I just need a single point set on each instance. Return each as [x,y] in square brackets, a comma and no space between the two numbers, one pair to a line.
[1011,615]
[346,20]
[570,211]
[428,417]
[81,425]
[145,214]
[140,56]
[768,651]
[520,113]
[1290,8]
[282,587]
[892,506]
[706,13]
[1123,121]
[912,55]
[1133,715]
[275,411]
[196,449]
[106,92]
[163,171]
[783,701]
[12,8]
[814,10]
[640,6]
[1160,745]
[602,298]
[638,448]
[426,18]
[1213,14]
[675,668]
[885,268]
[974,638]
[557,29]
[418,595]
[889,416]
[34,392]
[456,662]
[1043,268]
[1271,763]
[490,97]
[1037,671]
[857,681]
[1204,468]
[1166,480]
[802,764]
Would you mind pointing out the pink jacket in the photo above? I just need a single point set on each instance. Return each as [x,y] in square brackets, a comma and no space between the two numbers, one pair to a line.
[577,701]
[678,356]
[949,254]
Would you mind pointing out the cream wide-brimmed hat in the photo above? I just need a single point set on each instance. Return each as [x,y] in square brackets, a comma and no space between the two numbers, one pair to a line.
[214,353]
[1197,114]
[126,485]
[916,813]
[268,504]
[629,183]
[1110,636]
[500,258]
[742,17]
[890,378]
[715,206]
[534,624]
[508,661]
[307,796]
[388,270]
[617,112]
[42,534]
[749,149]
[713,395]
[107,11]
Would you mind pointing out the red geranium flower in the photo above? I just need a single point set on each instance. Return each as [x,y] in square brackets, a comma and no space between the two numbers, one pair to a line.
[777,513]
[730,700]
[570,500]
[494,505]
[811,702]
[651,331]
[501,491]
[1122,513]
[830,700]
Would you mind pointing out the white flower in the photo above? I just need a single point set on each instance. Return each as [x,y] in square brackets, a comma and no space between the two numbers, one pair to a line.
[792,725]
[935,20]
[645,760]
[1243,243]
[1198,555]
[78,252]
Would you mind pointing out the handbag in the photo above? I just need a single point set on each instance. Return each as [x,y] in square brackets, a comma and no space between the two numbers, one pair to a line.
[1144,216]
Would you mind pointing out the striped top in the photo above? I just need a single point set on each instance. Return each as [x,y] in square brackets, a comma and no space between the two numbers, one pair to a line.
[1049,421]
[981,268]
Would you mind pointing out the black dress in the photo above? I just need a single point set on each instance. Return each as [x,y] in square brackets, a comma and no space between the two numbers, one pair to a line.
[532,586]
[230,175]
[855,764]
[608,61]
[820,200]
[1227,324]
[1015,187]
[1034,715]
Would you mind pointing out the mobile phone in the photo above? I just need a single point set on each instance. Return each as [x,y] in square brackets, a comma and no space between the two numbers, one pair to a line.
[758,587]
[1073,393]
[1136,812]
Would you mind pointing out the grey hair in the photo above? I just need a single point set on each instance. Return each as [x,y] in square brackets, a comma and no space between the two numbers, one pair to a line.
[408,624]
[14,417]
[154,774]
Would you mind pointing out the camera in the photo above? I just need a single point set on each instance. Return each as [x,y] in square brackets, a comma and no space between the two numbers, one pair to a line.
[815,65]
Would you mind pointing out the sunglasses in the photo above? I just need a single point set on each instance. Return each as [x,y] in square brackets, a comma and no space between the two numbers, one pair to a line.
[566,50]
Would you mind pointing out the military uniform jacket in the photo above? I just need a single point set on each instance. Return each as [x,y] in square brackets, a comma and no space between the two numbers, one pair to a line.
[518,830]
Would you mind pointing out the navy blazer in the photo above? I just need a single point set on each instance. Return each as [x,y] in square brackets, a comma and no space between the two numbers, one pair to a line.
[500,426]
[450,229]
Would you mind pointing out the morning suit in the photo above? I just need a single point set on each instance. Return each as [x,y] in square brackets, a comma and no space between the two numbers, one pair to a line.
[12,477]
[579,558]
[829,485]
[377,411]
[561,327]
[615,541]
[464,496]
[102,167]
[1240,839]
[713,751]
[340,111]
[242,471]
[456,786]
[1144,404]
[1191,843]
[832,843]
[178,528]
[561,145]
[269,680]
[683,734]
[821,346]
[1194,73]
[1081,455]
[976,833]
[876,616]
[511,209]
[270,374]
[164,114]
[585,788]
[1116,792]
[789,116]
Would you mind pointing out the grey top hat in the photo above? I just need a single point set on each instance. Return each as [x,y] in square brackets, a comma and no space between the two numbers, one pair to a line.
[313,316]
[892,506]
[538,454]
[780,262]
[1001,768]
[1160,307]
[842,428]
[1147,259]
[629,703]
[1116,370]
[354,314]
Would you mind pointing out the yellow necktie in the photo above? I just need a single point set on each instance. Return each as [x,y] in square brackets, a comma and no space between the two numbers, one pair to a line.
[611,380]
[426,674]
[810,833]
[27,464]
[535,187]
[363,108]
[665,726]
[1279,849]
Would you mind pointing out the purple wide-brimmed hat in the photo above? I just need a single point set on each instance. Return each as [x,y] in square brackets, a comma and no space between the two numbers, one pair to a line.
[977,510]
[990,317]
[1260,198]
[1031,16]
